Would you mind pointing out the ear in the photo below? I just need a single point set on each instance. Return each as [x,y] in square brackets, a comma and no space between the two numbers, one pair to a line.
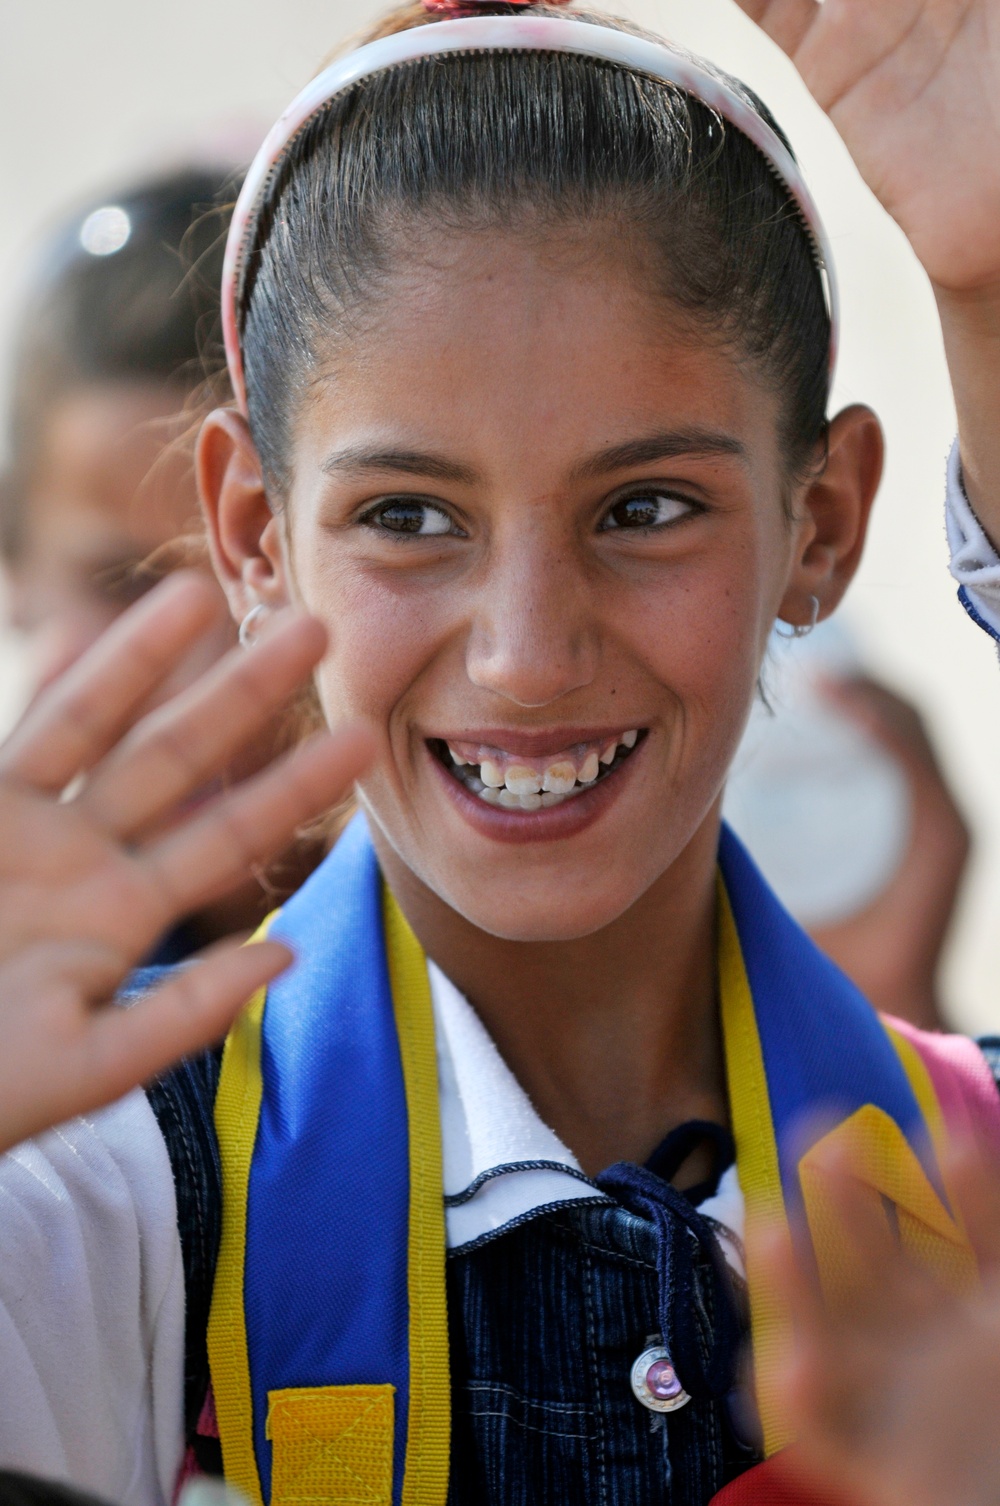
[245,538]
[832,512]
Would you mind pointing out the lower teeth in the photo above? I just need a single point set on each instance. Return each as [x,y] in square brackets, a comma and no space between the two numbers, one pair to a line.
[509,801]
[512,802]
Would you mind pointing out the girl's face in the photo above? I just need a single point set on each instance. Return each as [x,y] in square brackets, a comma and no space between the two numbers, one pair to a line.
[546,530]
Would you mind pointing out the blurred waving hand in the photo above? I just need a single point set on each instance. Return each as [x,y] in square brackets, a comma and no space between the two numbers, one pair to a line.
[913,87]
[108,841]
[894,1392]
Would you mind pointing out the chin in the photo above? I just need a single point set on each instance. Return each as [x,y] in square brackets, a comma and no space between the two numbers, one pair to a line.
[552,913]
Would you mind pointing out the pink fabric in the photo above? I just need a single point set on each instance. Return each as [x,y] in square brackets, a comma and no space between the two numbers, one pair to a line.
[963,1082]
[190,1470]
[208,1427]
[208,1423]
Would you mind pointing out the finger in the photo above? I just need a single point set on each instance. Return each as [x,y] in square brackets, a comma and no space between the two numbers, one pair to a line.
[816,1380]
[81,715]
[189,1013]
[68,1051]
[180,747]
[815,1350]
[889,720]
[249,825]
[772,1249]
[873,1280]
[973,1179]
[784,21]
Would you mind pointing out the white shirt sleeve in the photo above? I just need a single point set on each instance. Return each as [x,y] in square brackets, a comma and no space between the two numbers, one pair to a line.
[974,561]
[92,1307]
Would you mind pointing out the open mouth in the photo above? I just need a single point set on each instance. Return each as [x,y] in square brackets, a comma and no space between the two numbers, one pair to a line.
[530,784]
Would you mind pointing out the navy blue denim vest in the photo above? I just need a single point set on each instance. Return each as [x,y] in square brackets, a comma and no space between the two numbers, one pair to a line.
[546,1320]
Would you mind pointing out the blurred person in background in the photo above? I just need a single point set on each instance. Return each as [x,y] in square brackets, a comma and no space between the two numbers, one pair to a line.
[106,357]
[838,792]
[98,498]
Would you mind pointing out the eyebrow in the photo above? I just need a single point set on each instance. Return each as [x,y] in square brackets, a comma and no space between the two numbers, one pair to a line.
[669,444]
[357,459]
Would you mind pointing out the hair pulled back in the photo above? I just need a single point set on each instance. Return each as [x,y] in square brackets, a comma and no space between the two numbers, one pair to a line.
[528,139]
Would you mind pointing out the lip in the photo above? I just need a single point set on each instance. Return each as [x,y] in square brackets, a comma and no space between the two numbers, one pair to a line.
[554,824]
[541,744]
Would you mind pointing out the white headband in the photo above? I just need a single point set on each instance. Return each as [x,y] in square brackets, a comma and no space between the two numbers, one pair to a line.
[507,33]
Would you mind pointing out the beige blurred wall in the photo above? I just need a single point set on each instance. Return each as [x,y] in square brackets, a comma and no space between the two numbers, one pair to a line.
[88,93]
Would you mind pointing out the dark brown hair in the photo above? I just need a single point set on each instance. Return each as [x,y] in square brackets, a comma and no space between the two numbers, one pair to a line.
[507,140]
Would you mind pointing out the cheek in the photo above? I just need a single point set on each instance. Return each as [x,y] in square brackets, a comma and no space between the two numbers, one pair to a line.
[702,633]
[382,639]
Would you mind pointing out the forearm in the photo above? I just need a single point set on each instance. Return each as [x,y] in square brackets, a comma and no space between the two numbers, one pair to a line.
[970,323]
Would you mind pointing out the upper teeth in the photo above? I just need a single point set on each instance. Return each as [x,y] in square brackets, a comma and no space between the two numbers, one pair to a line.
[559,778]
[491,774]
[528,787]
[521,780]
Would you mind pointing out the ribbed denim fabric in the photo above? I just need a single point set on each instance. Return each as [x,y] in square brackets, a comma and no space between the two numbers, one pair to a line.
[546,1322]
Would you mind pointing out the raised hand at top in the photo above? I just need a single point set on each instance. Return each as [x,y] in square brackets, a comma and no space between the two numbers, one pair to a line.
[913,87]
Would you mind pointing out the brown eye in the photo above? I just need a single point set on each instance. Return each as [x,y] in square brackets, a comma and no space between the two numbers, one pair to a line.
[406,515]
[647,510]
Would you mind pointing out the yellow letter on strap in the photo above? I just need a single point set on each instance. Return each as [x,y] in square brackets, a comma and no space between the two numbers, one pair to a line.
[332,1445]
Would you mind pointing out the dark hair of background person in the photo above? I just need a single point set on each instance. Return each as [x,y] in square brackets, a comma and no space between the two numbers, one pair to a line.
[146,313]
[532,142]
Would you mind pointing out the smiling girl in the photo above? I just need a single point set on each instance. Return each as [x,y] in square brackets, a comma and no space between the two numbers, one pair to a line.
[530,322]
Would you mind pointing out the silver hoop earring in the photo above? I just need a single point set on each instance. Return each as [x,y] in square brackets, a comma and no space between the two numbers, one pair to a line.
[801,629]
[251,624]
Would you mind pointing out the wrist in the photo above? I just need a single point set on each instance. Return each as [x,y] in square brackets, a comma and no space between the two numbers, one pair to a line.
[968,312]
[970,325]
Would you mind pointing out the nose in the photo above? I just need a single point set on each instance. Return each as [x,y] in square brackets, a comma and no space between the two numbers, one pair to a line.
[535,635]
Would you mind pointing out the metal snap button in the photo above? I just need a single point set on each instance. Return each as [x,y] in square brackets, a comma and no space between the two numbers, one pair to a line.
[655,1382]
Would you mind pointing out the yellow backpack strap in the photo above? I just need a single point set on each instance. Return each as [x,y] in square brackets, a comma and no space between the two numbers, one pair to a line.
[428,1439]
[237,1113]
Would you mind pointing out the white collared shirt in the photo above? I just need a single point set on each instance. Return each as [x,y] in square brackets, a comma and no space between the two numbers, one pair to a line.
[501,1162]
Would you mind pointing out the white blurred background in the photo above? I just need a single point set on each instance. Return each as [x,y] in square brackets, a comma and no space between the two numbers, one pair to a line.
[90,94]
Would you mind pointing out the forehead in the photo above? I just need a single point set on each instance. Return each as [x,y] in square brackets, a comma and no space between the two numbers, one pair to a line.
[530,347]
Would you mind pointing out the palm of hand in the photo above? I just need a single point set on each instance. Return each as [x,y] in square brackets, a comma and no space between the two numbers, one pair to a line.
[62,878]
[88,883]
[913,88]
[921,1430]
[893,1390]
